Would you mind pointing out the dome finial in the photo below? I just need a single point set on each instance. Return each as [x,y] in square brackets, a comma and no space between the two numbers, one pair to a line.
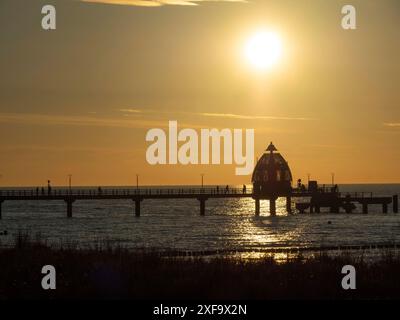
[271,148]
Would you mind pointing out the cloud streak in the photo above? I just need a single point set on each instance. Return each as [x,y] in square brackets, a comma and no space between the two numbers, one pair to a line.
[85,121]
[60,120]
[392,124]
[157,3]
[246,117]
[216,115]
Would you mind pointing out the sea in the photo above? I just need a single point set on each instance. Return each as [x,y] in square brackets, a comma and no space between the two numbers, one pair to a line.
[229,225]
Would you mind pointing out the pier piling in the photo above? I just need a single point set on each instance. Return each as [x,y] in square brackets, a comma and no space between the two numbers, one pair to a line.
[272,206]
[1,204]
[257,202]
[395,203]
[137,207]
[202,206]
[289,204]
[69,207]
[365,208]
[385,207]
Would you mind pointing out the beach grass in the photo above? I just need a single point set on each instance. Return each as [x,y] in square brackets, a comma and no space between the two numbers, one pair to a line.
[109,272]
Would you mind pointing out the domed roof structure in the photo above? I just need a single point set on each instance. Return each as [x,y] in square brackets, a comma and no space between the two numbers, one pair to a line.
[272,176]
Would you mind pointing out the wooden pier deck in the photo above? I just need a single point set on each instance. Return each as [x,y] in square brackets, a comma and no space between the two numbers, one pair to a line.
[334,201]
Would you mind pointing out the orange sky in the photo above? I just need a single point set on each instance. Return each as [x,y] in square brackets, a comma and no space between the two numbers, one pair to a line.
[79,100]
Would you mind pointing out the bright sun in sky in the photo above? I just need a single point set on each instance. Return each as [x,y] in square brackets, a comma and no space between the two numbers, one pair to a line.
[263,50]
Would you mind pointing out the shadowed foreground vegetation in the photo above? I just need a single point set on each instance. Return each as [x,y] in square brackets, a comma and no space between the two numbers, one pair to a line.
[119,273]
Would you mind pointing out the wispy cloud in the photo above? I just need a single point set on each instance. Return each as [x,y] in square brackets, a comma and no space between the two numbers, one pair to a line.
[247,117]
[131,110]
[85,121]
[157,3]
[63,149]
[61,120]
[140,121]
[215,115]
[392,124]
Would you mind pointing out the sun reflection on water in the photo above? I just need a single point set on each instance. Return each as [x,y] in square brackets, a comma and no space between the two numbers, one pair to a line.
[264,231]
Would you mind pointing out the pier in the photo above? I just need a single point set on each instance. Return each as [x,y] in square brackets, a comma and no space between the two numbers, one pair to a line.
[136,195]
[318,199]
[271,180]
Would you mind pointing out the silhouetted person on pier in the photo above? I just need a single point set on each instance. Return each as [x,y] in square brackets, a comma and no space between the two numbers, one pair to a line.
[100,191]
[299,184]
[37,191]
[48,187]
[244,189]
[227,189]
[217,189]
[42,191]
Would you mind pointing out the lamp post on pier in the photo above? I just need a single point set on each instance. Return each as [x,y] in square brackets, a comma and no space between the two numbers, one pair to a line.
[70,183]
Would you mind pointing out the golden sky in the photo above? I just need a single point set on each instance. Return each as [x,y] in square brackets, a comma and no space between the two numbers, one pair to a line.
[79,100]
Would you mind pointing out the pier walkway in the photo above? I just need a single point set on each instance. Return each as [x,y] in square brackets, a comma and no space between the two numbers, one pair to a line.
[317,200]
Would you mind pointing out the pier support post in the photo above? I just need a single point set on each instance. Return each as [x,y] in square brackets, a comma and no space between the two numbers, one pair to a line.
[336,208]
[396,204]
[137,206]
[69,207]
[257,202]
[272,206]
[385,207]
[365,207]
[202,206]
[289,204]
[1,204]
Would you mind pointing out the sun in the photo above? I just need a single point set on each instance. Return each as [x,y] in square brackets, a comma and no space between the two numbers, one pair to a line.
[263,50]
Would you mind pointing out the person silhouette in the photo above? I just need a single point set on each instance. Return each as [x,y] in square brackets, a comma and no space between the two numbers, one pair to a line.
[244,189]
[226,189]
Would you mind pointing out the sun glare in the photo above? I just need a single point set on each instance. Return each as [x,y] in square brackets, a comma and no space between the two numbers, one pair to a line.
[263,50]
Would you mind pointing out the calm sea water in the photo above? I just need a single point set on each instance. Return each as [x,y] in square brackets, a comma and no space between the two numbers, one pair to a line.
[229,224]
